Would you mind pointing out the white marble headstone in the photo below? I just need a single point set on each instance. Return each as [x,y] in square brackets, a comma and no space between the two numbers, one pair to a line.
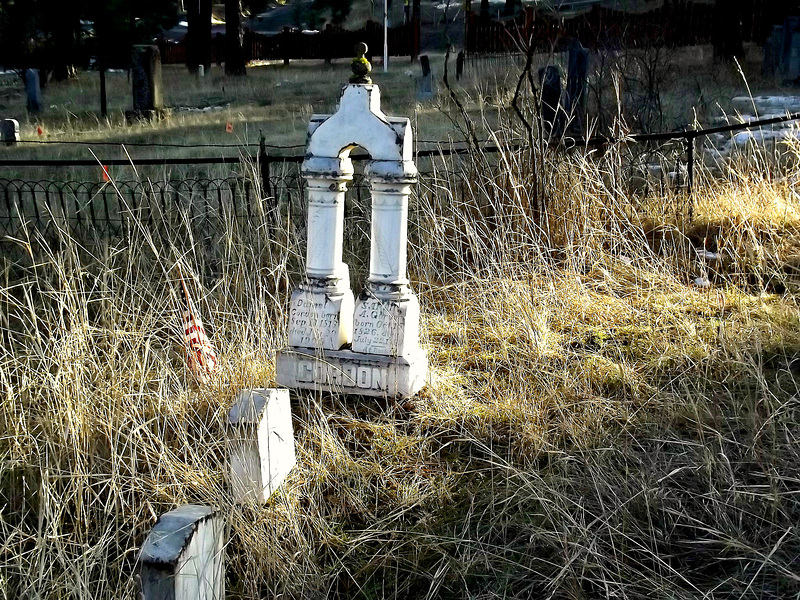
[369,346]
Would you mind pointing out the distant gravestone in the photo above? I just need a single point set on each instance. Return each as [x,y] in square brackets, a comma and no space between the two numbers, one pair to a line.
[425,83]
[550,80]
[260,442]
[33,90]
[146,80]
[772,52]
[577,81]
[183,557]
[793,61]
[425,64]
[790,49]
[9,131]
[460,65]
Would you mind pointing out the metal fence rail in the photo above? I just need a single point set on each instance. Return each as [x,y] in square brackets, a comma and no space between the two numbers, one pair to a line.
[109,208]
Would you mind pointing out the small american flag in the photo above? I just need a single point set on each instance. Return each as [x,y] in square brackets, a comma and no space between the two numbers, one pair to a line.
[201,357]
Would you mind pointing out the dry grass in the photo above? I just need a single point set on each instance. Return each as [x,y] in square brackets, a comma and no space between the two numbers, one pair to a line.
[594,426]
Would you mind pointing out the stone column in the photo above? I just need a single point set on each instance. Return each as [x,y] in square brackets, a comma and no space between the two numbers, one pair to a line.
[321,313]
[326,180]
[391,183]
[386,319]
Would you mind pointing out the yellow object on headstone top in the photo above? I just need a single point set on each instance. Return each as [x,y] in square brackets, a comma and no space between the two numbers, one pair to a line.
[360,65]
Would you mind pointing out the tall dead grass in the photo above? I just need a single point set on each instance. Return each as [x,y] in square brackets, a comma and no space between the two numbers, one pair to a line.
[594,424]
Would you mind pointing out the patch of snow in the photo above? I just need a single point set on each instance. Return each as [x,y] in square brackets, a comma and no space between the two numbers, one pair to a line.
[770,102]
[707,255]
[702,282]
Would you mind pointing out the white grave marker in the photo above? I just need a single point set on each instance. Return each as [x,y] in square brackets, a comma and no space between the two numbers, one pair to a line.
[382,326]
[260,442]
[183,557]
[9,131]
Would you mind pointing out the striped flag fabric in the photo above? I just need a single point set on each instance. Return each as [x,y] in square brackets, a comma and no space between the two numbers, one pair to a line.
[202,360]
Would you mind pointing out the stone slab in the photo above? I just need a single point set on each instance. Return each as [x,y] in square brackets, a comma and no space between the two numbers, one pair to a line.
[348,372]
[183,557]
[260,443]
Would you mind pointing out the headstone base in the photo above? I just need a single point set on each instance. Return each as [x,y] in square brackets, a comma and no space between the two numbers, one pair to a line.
[348,372]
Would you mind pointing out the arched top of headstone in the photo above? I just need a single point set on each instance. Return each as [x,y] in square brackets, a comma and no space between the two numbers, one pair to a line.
[359,121]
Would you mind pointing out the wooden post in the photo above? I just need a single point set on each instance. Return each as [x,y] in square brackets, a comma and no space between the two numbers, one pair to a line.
[690,173]
[103,97]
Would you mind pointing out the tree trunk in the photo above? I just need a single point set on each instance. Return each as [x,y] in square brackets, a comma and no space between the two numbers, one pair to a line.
[727,32]
[65,38]
[198,36]
[484,10]
[234,52]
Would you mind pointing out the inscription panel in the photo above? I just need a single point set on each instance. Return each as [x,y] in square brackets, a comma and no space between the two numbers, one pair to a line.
[347,372]
[377,327]
[386,327]
[319,320]
[345,376]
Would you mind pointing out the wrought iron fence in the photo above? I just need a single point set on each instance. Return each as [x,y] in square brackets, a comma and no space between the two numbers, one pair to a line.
[85,209]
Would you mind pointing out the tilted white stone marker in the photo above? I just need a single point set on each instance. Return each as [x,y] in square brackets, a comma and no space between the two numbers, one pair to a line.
[260,443]
[183,557]
[382,325]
